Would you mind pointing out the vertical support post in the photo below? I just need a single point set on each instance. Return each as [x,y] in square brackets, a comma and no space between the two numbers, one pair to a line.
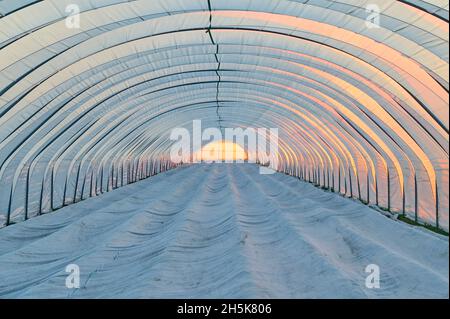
[115,181]
[350,181]
[319,175]
[27,191]
[136,171]
[51,189]
[101,181]
[376,190]
[332,180]
[437,205]
[8,216]
[339,178]
[64,192]
[328,177]
[41,196]
[359,187]
[76,184]
[143,169]
[403,200]
[323,177]
[92,182]
[345,185]
[82,187]
[112,175]
[108,180]
[416,197]
[121,175]
[129,173]
[116,184]
[388,190]
[368,187]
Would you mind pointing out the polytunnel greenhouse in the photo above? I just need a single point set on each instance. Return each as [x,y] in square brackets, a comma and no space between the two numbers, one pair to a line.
[119,179]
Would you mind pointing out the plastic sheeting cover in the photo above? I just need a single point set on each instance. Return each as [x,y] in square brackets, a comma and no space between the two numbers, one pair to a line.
[83,110]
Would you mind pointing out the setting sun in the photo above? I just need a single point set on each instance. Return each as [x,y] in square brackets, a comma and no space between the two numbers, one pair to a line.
[222,151]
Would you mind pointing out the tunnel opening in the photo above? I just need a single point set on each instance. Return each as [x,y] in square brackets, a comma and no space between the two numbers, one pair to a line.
[221,152]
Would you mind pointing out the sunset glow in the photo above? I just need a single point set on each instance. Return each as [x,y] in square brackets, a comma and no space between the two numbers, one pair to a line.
[222,151]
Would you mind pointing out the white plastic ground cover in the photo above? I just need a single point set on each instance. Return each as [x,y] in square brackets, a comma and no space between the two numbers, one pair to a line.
[221,231]
[354,104]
